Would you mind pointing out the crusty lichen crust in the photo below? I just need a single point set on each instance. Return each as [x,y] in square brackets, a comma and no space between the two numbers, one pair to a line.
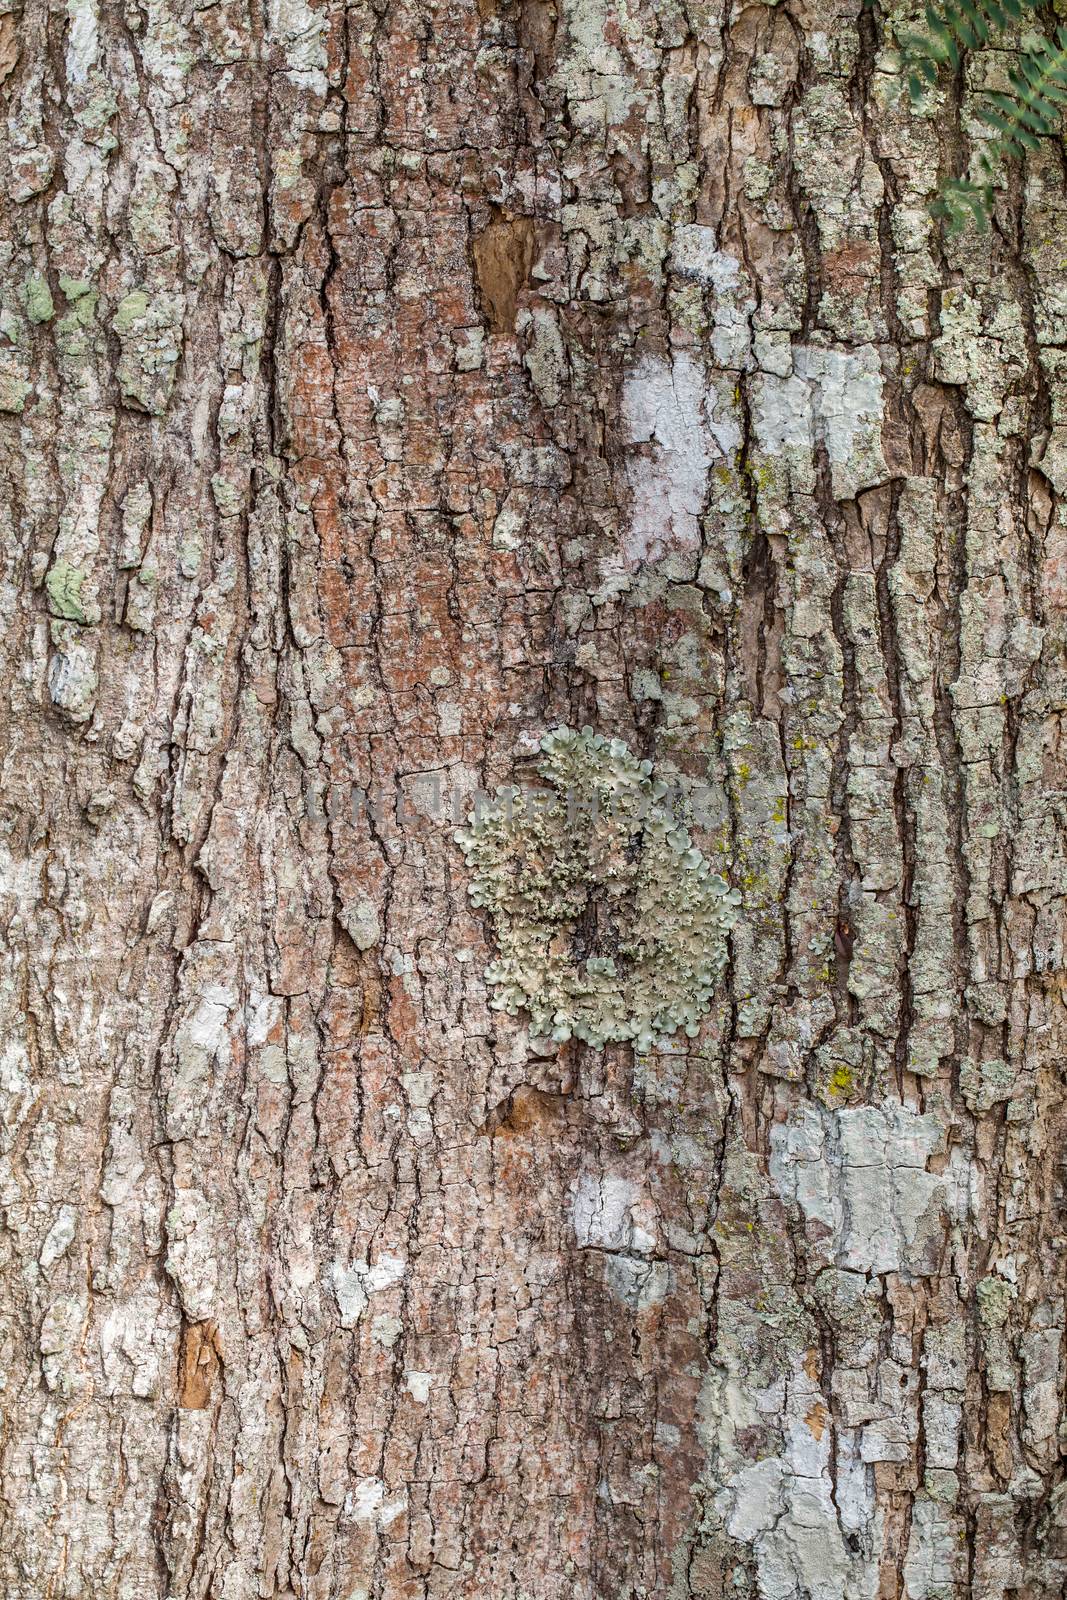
[610,924]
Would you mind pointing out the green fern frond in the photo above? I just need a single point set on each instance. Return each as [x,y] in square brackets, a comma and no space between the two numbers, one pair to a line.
[955,26]
[961,201]
[1032,111]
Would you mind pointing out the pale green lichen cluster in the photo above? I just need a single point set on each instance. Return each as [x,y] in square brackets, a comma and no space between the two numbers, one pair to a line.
[37,298]
[610,923]
[64,585]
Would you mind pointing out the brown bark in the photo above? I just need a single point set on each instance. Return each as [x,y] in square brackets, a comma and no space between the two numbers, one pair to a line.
[380,389]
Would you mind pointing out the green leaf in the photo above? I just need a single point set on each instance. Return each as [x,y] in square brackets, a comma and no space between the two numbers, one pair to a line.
[1019,119]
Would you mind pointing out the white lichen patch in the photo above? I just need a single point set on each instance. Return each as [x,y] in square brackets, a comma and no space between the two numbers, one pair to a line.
[353,1285]
[671,410]
[610,924]
[192,1258]
[785,1478]
[368,1502]
[609,1213]
[832,398]
[861,1176]
[695,259]
[72,674]
[593,70]
[299,32]
[83,47]
[200,1045]
[784,1507]
[418,1385]
[59,1237]
[602,1214]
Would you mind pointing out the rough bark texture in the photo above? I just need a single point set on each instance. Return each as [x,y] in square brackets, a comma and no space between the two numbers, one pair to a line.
[383,386]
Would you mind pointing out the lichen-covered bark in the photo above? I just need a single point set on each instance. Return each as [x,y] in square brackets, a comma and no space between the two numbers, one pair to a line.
[381,387]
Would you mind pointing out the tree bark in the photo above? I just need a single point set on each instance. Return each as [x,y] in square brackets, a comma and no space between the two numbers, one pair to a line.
[383,387]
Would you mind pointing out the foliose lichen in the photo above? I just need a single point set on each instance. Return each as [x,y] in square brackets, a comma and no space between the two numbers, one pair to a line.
[37,298]
[610,923]
[64,585]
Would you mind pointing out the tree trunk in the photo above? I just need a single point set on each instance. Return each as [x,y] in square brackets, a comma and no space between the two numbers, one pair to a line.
[384,387]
